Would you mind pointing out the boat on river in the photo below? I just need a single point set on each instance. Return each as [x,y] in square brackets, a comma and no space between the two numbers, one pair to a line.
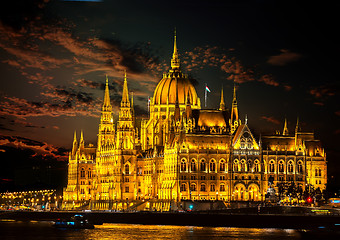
[76,222]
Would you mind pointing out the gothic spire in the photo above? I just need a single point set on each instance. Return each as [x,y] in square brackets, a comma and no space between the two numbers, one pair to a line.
[81,141]
[125,97]
[175,63]
[106,103]
[285,128]
[222,104]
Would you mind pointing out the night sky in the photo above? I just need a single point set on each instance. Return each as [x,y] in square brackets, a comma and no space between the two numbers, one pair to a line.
[54,56]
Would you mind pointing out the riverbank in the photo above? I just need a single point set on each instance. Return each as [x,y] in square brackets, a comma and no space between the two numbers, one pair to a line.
[213,219]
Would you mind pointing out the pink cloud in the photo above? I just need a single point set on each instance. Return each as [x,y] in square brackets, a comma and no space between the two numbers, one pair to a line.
[284,58]
[271,119]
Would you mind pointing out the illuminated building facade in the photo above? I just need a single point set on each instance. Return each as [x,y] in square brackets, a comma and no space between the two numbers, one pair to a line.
[183,152]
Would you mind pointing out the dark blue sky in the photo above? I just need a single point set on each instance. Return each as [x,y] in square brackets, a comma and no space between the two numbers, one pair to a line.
[54,56]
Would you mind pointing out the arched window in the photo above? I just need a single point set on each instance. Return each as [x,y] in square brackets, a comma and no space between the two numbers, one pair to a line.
[222,188]
[290,167]
[243,165]
[193,187]
[212,187]
[89,173]
[212,166]
[183,187]
[320,172]
[236,167]
[271,166]
[300,167]
[202,189]
[127,169]
[249,166]
[82,173]
[222,166]
[203,166]
[256,166]
[193,166]
[281,166]
[183,166]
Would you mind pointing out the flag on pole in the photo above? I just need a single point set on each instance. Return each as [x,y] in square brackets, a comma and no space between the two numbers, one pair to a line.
[207,89]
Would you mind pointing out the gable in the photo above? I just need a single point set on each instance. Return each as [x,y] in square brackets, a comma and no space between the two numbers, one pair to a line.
[244,139]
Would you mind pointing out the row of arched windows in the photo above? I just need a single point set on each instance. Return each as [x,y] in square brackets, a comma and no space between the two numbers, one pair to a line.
[203,166]
[282,167]
[203,187]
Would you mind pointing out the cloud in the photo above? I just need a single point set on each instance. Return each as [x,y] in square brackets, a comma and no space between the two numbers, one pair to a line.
[324,91]
[284,58]
[39,148]
[271,120]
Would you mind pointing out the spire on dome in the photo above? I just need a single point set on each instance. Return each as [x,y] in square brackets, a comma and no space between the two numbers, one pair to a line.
[125,96]
[222,104]
[175,63]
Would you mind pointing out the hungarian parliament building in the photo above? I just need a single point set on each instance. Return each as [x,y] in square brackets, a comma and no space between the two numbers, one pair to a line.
[185,153]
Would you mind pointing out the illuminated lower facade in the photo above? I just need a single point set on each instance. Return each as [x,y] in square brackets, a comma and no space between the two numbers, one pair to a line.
[185,153]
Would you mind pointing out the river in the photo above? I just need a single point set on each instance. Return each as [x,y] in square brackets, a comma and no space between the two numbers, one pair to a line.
[44,230]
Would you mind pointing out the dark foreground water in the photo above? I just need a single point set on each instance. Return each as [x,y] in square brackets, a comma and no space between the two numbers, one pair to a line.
[44,230]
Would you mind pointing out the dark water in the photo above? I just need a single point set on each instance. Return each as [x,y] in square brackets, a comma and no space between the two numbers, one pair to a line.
[44,230]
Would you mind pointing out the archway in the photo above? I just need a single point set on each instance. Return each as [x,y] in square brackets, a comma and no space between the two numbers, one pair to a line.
[239,193]
[253,191]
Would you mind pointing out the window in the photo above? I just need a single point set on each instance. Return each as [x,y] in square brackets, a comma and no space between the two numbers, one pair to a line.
[193,177]
[212,177]
[243,165]
[127,169]
[300,167]
[222,166]
[127,188]
[236,166]
[290,167]
[222,188]
[281,167]
[203,166]
[82,173]
[222,177]
[203,177]
[183,187]
[317,172]
[212,166]
[193,165]
[183,166]
[202,189]
[271,166]
[89,173]
[212,188]
[193,187]
[256,166]
[249,166]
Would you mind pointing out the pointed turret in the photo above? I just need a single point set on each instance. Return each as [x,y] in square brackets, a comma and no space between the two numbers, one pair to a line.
[106,103]
[125,97]
[285,128]
[297,125]
[234,121]
[74,147]
[222,104]
[81,141]
[175,63]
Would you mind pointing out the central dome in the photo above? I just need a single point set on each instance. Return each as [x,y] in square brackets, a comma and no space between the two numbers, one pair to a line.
[169,85]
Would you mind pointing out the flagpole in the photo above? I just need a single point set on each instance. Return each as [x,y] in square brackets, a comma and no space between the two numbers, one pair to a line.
[205,96]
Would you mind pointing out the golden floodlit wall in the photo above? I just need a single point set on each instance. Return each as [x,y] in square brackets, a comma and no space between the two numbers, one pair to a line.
[185,153]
